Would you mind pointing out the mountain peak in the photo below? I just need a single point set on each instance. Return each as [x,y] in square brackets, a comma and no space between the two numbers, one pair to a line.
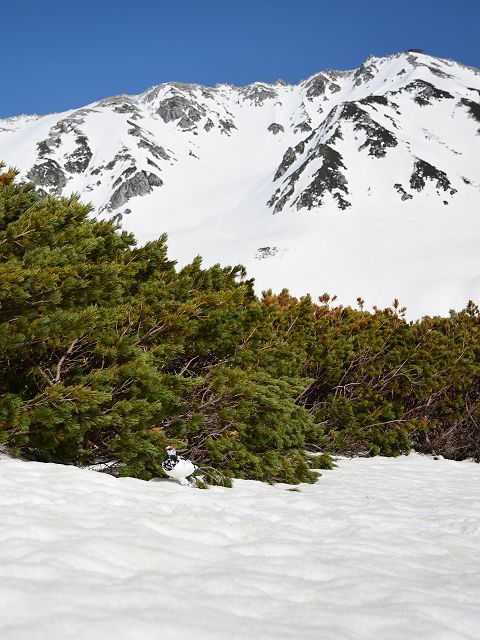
[226,169]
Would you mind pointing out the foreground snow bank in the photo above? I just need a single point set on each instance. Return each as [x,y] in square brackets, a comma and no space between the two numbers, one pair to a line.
[379,548]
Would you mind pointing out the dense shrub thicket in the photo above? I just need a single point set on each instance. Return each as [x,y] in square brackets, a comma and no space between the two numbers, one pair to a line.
[107,352]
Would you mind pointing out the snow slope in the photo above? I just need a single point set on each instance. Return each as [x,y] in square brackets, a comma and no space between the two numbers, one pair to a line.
[379,548]
[360,183]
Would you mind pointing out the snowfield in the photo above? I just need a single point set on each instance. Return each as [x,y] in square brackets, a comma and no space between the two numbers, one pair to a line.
[378,548]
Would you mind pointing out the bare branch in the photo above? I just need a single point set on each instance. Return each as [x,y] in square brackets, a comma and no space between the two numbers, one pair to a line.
[62,361]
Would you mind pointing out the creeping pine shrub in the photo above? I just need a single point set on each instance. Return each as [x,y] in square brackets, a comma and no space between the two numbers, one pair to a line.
[108,352]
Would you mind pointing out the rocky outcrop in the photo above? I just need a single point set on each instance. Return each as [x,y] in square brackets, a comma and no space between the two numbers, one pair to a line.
[473,109]
[328,179]
[303,127]
[226,126]
[378,138]
[266,252]
[48,175]
[374,100]
[423,171]
[425,93]
[316,86]
[48,146]
[50,171]
[276,128]
[401,191]
[288,159]
[172,108]
[139,184]
[177,107]
[319,85]
[145,142]
[121,157]
[364,73]
[78,160]
[156,150]
[123,104]
[258,93]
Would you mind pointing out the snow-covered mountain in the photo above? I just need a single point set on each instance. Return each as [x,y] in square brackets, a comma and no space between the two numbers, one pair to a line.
[361,183]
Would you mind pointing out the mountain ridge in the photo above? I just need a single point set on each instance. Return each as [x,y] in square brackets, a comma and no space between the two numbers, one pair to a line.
[225,168]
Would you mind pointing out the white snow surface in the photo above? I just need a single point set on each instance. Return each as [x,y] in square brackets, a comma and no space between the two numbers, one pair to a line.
[217,157]
[377,548]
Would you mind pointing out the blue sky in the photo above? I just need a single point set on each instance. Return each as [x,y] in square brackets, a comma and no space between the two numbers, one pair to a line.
[59,54]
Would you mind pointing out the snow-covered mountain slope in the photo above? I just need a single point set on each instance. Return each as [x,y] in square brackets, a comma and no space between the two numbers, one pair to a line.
[378,548]
[360,183]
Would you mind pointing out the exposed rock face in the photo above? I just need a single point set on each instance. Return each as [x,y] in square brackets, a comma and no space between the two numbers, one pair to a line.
[126,108]
[275,128]
[138,184]
[145,142]
[303,127]
[316,86]
[49,175]
[226,126]
[179,108]
[121,157]
[122,104]
[48,146]
[320,84]
[328,178]
[78,160]
[156,150]
[401,191]
[258,93]
[288,159]
[423,171]
[374,100]
[365,73]
[378,138]
[473,109]
[426,93]
[266,252]
[173,108]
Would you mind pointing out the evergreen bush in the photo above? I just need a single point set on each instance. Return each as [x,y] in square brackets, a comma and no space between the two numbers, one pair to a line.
[108,352]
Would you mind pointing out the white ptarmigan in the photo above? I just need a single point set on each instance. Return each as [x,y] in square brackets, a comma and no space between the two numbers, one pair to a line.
[178,467]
